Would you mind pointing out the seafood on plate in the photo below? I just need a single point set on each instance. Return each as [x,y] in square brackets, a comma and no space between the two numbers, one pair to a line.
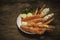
[38,23]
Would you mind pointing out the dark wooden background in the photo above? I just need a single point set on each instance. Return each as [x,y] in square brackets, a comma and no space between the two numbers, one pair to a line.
[10,9]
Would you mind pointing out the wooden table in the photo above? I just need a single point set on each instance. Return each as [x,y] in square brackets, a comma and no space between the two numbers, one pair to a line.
[8,15]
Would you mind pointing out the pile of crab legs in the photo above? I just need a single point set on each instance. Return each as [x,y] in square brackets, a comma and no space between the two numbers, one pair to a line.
[38,23]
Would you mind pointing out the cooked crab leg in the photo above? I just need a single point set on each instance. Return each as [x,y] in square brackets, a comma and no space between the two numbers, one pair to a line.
[25,28]
[30,29]
[42,9]
[31,17]
[41,25]
[38,25]
[35,13]
[34,17]
[49,21]
[44,12]
[37,17]
[42,19]
[37,20]
[50,27]
[34,30]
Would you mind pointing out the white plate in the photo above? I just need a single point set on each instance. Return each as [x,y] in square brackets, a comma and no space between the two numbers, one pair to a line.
[19,25]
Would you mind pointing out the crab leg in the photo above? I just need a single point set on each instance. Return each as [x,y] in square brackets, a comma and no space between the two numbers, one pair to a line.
[34,17]
[35,13]
[37,20]
[39,25]
[34,30]
[44,12]
[30,29]
[49,21]
[43,19]
[42,9]
[31,17]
